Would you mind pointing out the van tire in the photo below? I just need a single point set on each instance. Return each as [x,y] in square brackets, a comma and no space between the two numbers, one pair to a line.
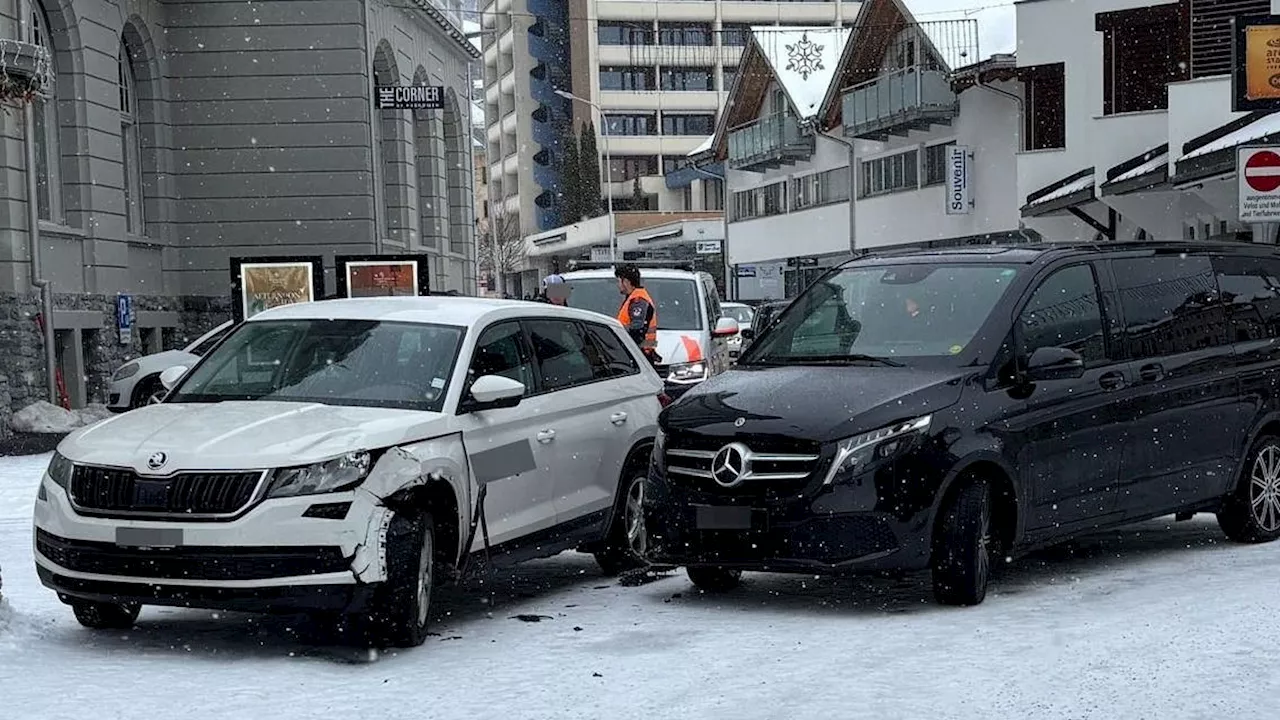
[105,615]
[1251,513]
[711,579]
[963,546]
[401,605]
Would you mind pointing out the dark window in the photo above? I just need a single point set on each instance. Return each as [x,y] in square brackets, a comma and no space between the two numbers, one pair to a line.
[702,124]
[210,341]
[935,163]
[1044,109]
[626,78]
[1064,312]
[735,34]
[890,174]
[622,33]
[1143,50]
[672,163]
[501,350]
[631,124]
[676,298]
[687,79]
[1210,32]
[612,358]
[760,202]
[730,72]
[630,167]
[1171,305]
[561,350]
[684,34]
[1250,289]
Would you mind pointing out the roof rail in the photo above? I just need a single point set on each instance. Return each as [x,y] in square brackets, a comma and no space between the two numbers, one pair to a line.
[642,264]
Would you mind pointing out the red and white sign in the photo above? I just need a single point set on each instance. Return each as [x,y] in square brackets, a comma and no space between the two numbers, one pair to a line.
[1258,174]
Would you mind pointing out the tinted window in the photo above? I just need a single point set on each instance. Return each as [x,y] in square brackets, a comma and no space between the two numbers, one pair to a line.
[1170,305]
[1064,312]
[612,360]
[207,344]
[1250,288]
[677,300]
[561,352]
[741,313]
[501,350]
[335,362]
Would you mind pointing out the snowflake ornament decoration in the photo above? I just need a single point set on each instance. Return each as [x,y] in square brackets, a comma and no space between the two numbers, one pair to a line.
[804,57]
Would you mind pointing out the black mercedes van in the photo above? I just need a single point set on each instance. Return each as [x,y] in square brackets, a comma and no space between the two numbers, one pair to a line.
[939,409]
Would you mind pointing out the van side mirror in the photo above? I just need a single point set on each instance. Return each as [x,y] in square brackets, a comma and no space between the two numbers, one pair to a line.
[170,377]
[1054,363]
[725,327]
[490,392]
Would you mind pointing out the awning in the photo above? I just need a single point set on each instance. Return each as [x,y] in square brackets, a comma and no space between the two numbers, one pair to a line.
[1214,153]
[1141,172]
[1061,196]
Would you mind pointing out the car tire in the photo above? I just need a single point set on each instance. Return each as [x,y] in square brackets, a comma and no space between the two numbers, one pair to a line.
[714,579]
[962,558]
[628,541]
[401,605]
[1251,513]
[145,391]
[105,615]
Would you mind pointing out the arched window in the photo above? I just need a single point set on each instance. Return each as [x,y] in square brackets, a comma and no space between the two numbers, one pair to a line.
[130,150]
[48,156]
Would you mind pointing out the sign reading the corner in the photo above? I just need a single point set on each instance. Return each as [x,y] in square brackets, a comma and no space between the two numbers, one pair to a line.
[410,97]
[959,200]
[1258,175]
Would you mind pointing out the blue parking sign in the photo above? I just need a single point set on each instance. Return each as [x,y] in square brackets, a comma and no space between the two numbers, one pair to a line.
[124,318]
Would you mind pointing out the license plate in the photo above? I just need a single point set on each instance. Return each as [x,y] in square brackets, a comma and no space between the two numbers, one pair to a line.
[148,537]
[724,518]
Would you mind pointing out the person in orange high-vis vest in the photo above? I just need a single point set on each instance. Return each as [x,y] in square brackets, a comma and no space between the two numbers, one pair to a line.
[638,314]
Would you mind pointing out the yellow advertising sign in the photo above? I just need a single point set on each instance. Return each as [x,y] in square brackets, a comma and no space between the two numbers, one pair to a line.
[1262,62]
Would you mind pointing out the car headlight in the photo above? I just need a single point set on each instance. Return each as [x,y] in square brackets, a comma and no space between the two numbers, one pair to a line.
[860,450]
[127,370]
[691,372]
[337,475]
[60,470]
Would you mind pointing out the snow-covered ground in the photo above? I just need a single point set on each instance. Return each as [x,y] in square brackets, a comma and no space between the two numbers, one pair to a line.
[1162,621]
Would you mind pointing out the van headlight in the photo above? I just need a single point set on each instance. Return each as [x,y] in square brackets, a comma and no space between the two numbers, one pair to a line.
[127,370]
[687,373]
[341,473]
[860,450]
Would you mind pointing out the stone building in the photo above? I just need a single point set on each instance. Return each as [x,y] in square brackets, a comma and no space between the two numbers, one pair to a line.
[177,135]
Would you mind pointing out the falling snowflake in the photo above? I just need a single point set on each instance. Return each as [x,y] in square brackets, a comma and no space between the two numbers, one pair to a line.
[805,57]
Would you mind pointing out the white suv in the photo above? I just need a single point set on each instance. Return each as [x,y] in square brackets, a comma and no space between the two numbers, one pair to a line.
[342,456]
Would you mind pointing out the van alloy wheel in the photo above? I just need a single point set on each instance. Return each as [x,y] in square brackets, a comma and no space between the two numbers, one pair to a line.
[1264,488]
[1250,513]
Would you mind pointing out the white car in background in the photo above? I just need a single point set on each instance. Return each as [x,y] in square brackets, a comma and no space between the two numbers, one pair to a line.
[137,382]
[341,457]
[743,314]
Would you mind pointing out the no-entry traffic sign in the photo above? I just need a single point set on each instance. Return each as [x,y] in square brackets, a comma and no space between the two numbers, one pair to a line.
[1258,175]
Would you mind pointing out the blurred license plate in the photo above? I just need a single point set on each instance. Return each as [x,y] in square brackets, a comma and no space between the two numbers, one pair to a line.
[148,537]
[711,517]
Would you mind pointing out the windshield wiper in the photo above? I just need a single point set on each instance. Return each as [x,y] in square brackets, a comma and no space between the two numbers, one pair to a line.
[832,360]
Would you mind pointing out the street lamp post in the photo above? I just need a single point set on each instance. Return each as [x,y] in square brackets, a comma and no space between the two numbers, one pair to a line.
[608,179]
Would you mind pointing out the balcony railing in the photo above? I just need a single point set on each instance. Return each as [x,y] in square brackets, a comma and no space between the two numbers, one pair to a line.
[769,142]
[897,102]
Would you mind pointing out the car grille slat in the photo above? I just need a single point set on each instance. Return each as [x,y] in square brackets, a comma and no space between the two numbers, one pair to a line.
[115,491]
[778,465]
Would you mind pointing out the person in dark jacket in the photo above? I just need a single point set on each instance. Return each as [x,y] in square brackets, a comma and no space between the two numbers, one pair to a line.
[638,314]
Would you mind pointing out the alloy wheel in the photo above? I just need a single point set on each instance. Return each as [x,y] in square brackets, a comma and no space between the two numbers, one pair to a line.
[633,516]
[425,569]
[1264,488]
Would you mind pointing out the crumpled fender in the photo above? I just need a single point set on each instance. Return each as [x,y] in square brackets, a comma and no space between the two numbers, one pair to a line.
[397,472]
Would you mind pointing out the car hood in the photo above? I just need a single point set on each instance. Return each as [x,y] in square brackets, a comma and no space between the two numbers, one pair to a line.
[680,346]
[815,403]
[244,435]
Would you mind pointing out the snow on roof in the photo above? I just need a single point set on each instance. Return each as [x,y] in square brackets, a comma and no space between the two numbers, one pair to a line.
[804,60]
[997,29]
[1069,189]
[460,310]
[1155,162]
[1262,127]
[704,146]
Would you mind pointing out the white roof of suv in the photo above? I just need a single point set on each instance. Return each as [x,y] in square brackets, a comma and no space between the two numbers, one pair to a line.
[441,310]
[645,273]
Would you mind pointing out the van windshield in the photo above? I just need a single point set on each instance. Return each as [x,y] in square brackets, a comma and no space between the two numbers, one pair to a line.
[676,298]
[885,313]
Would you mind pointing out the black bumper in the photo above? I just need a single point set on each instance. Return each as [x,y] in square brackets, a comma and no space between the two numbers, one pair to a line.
[675,390]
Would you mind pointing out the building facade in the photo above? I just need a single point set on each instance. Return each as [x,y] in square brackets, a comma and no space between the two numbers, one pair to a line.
[177,135]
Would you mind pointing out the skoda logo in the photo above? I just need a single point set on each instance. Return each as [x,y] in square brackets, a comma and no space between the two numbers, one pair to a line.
[157,461]
[730,465]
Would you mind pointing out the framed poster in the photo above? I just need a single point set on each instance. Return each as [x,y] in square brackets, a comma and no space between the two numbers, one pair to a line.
[262,283]
[383,275]
[1255,71]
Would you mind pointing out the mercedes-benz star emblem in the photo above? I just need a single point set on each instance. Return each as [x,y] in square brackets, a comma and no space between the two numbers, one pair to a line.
[157,461]
[729,465]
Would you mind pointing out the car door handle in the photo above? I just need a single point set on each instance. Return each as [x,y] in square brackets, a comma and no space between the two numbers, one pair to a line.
[1111,381]
[1152,372]
[546,436]
[618,418]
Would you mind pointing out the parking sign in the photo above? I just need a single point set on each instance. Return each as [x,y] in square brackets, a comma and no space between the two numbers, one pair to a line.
[124,318]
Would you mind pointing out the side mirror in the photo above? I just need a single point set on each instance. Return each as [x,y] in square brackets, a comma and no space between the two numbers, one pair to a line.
[748,334]
[725,327]
[170,377]
[1054,363]
[490,392]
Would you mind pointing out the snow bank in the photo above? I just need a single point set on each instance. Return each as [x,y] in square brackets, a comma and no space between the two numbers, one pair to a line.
[46,418]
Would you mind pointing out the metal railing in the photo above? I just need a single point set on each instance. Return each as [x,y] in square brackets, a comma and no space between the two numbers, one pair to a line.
[898,97]
[770,139]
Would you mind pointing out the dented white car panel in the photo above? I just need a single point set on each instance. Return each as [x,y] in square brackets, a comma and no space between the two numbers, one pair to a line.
[533,484]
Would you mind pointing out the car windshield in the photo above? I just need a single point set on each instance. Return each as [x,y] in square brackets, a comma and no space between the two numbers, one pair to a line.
[741,313]
[205,345]
[676,298]
[334,362]
[885,313]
